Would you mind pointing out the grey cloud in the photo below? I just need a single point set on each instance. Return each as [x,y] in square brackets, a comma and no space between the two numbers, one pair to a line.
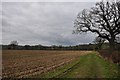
[42,23]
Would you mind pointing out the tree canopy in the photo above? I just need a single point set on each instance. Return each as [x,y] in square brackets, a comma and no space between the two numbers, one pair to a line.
[103,19]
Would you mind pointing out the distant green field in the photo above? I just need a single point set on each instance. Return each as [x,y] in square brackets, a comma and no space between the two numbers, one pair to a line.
[88,66]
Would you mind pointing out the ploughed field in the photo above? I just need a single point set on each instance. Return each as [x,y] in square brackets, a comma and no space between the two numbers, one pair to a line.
[25,63]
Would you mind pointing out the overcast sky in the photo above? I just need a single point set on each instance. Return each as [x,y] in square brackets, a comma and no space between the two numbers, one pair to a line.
[46,23]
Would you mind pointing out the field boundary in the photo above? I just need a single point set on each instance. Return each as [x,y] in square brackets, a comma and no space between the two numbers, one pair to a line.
[69,69]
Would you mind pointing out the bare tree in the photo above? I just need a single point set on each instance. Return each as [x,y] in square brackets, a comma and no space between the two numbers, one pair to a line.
[103,19]
[13,44]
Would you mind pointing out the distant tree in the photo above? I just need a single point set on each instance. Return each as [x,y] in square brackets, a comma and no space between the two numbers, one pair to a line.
[27,47]
[103,19]
[13,44]
[60,47]
[54,47]
[38,46]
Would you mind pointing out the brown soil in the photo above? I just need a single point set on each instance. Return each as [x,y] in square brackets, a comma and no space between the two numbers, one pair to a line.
[24,63]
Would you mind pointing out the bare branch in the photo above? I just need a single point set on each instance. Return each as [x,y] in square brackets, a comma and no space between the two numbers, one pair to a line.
[103,19]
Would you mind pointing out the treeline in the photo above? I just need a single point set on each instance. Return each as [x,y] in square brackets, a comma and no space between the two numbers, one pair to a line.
[54,47]
[96,46]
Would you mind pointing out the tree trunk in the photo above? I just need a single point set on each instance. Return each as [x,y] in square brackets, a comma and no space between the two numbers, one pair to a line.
[112,47]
